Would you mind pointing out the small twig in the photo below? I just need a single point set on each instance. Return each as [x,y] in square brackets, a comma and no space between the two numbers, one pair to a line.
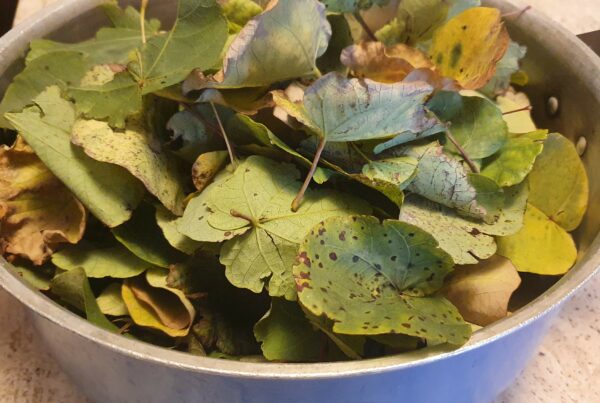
[143,19]
[526,108]
[359,151]
[237,214]
[125,328]
[232,157]
[364,26]
[298,200]
[516,14]
[462,151]
[202,120]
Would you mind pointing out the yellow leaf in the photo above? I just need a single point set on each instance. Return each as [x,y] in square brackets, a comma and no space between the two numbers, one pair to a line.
[540,247]
[152,304]
[517,122]
[468,47]
[205,168]
[559,184]
[37,212]
[481,292]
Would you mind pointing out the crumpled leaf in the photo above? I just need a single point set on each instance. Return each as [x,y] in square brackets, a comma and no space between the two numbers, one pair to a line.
[481,292]
[541,247]
[476,123]
[37,212]
[167,222]
[262,250]
[341,37]
[287,335]
[144,238]
[466,240]
[377,278]
[468,47]
[351,6]
[559,184]
[239,12]
[137,150]
[74,288]
[515,159]
[151,303]
[506,67]
[108,191]
[39,277]
[111,302]
[443,179]
[387,65]
[282,43]
[518,122]
[205,168]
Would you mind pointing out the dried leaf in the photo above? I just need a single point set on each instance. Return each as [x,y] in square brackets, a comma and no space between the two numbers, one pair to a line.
[372,278]
[559,184]
[152,304]
[37,212]
[469,46]
[481,292]
[541,247]
[108,191]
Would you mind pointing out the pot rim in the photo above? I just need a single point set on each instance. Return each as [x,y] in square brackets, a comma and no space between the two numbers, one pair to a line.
[16,42]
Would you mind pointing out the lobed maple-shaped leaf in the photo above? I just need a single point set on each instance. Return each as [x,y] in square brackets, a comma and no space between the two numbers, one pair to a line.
[513,162]
[375,278]
[139,151]
[151,303]
[250,209]
[466,240]
[98,262]
[481,292]
[74,288]
[37,212]
[468,47]
[108,191]
[282,43]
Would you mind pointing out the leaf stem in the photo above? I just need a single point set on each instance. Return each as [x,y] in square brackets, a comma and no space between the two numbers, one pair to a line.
[359,151]
[237,214]
[298,200]
[143,7]
[365,26]
[516,14]
[462,151]
[317,72]
[526,108]
[232,157]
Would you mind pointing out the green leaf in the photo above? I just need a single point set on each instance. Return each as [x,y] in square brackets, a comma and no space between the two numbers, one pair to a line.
[506,67]
[375,278]
[38,277]
[481,292]
[341,38]
[475,122]
[399,170]
[108,191]
[151,303]
[137,150]
[264,243]
[60,69]
[73,287]
[280,44]
[143,237]
[239,12]
[350,109]
[111,302]
[98,262]
[167,222]
[287,335]
[351,6]
[558,183]
[515,159]
[541,246]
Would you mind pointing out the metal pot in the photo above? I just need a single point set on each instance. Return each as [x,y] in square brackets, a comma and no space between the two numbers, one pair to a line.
[111,368]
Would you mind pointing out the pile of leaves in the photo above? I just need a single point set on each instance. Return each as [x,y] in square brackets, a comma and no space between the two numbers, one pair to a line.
[285,181]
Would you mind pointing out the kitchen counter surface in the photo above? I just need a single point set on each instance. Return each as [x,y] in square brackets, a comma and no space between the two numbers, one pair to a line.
[566,368]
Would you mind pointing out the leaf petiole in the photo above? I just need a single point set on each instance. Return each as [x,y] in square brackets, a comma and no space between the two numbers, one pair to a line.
[364,26]
[143,8]
[526,108]
[234,161]
[298,200]
[462,151]
[237,214]
[359,151]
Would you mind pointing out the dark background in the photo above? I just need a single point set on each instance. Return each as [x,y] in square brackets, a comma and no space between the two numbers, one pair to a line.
[7,13]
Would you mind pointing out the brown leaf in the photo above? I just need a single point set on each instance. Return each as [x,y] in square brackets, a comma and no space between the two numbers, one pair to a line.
[481,292]
[205,168]
[37,212]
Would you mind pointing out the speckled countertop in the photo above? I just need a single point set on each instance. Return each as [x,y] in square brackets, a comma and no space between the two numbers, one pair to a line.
[566,369]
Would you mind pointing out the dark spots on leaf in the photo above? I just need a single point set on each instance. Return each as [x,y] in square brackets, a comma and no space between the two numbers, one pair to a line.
[323,289]
[355,259]
[320,265]
[366,323]
[303,258]
[247,170]
[390,241]
[301,285]
[464,27]
[430,278]
[322,231]
[412,234]
[393,258]
[455,54]
[355,238]
[314,306]
[387,317]
[333,256]
[365,327]
[304,275]
[406,325]
[385,235]
[354,218]
[474,232]
[227,233]
[378,267]
[322,242]
[342,236]
[317,256]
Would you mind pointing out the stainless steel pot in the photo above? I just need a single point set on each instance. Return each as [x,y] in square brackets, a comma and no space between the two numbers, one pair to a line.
[110,368]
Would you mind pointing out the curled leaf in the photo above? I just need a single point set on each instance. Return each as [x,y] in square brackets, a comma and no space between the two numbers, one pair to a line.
[37,212]
[481,292]
[375,278]
[468,47]
[205,168]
